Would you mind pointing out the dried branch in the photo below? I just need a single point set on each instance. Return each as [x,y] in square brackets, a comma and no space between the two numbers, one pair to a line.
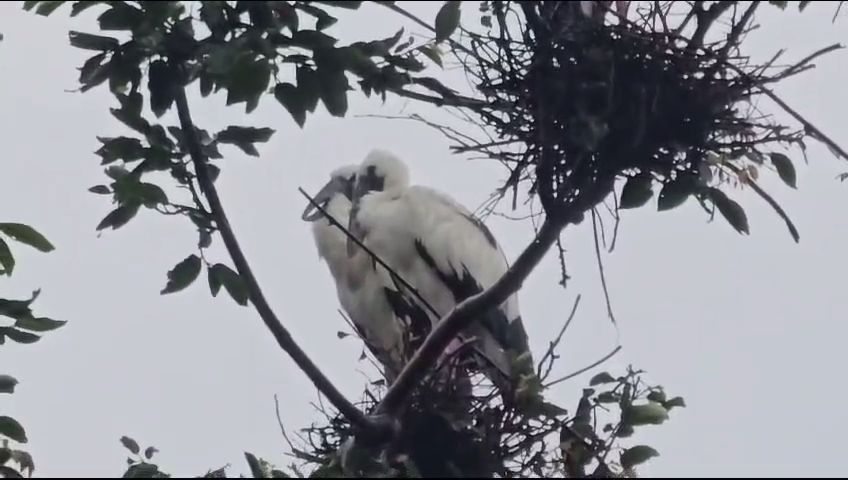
[550,355]
[601,270]
[738,29]
[281,334]
[585,369]
[705,20]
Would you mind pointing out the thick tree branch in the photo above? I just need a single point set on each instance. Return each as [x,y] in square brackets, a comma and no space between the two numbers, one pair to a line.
[284,338]
[705,18]
[464,314]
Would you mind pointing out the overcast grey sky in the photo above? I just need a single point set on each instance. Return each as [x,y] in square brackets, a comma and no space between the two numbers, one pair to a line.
[750,330]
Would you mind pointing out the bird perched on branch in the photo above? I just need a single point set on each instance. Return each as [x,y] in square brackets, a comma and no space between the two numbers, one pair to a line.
[365,290]
[444,252]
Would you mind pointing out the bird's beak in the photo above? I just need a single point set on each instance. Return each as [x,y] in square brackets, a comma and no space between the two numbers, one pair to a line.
[322,198]
[360,188]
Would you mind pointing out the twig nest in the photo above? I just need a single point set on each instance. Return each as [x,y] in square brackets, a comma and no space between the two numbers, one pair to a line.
[593,102]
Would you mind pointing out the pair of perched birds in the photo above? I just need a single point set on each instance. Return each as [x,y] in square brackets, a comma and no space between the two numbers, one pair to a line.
[434,244]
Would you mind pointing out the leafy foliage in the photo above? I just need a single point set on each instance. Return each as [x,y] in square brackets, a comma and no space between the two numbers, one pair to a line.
[21,331]
[149,52]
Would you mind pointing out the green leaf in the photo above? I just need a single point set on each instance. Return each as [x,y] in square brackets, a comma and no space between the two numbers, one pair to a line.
[222,275]
[637,455]
[183,274]
[38,324]
[676,402]
[19,336]
[651,413]
[17,308]
[601,379]
[247,81]
[353,5]
[120,148]
[100,190]
[12,429]
[245,137]
[118,217]
[312,39]
[291,98]
[607,397]
[657,396]
[46,8]
[5,456]
[730,210]
[130,444]
[7,385]
[30,4]
[433,53]
[803,5]
[784,168]
[307,86]
[88,41]
[255,467]
[207,83]
[121,16]
[9,472]
[636,192]
[779,4]
[161,84]
[149,451]
[215,278]
[117,172]
[26,235]
[130,112]
[7,260]
[143,470]
[151,195]
[79,7]
[334,87]
[325,21]
[447,20]
[674,193]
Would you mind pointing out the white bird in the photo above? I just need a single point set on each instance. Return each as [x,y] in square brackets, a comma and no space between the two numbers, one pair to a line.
[365,290]
[441,249]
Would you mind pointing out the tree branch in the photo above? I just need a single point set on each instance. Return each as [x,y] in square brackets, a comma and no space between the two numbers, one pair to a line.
[465,313]
[705,21]
[283,337]
[584,369]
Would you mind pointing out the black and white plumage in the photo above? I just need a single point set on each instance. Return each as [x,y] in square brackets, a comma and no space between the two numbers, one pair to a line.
[440,248]
[365,290]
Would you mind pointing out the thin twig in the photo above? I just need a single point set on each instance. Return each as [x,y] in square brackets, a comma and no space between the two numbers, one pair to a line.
[802,65]
[370,252]
[295,451]
[553,345]
[601,269]
[585,369]
[281,334]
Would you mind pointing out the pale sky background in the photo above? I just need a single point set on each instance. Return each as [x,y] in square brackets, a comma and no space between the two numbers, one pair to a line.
[750,330]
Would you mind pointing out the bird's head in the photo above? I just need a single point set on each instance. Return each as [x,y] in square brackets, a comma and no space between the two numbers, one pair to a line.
[381,171]
[342,181]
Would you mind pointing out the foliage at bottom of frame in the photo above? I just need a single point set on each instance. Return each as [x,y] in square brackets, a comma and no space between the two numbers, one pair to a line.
[448,434]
